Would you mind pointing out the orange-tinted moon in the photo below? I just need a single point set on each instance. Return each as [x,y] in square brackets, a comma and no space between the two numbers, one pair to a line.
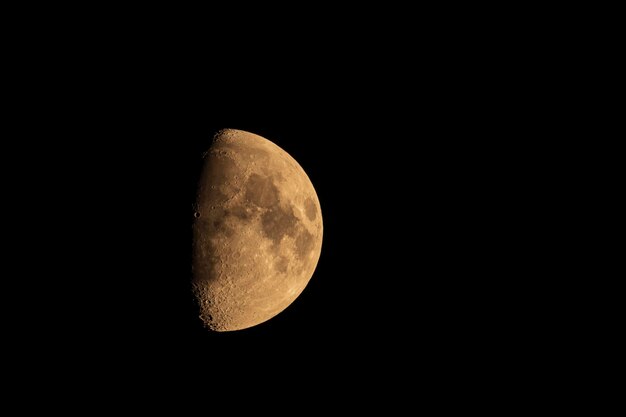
[257,232]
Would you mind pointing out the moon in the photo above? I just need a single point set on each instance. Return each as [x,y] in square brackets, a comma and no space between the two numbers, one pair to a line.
[257,232]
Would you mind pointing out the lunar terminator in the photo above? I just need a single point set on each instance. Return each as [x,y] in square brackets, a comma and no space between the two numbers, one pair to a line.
[257,232]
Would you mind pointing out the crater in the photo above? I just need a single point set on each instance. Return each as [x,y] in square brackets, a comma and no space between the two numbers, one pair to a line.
[310,209]
[261,191]
[277,223]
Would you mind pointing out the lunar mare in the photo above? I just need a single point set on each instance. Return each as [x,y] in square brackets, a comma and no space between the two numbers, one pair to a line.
[257,232]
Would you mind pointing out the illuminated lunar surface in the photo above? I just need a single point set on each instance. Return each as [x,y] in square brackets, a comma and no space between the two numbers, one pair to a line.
[257,232]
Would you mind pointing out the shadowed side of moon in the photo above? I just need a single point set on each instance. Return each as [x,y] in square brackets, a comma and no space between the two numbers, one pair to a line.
[257,232]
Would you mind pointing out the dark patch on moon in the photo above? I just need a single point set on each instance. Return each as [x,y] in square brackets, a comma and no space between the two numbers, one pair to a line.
[214,224]
[304,243]
[277,223]
[282,264]
[261,191]
[310,209]
[220,227]
[241,212]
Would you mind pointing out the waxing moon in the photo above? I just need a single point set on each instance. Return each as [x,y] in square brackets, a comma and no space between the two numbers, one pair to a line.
[257,232]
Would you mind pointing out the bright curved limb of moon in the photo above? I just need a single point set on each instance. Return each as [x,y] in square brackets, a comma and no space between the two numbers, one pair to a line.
[257,232]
